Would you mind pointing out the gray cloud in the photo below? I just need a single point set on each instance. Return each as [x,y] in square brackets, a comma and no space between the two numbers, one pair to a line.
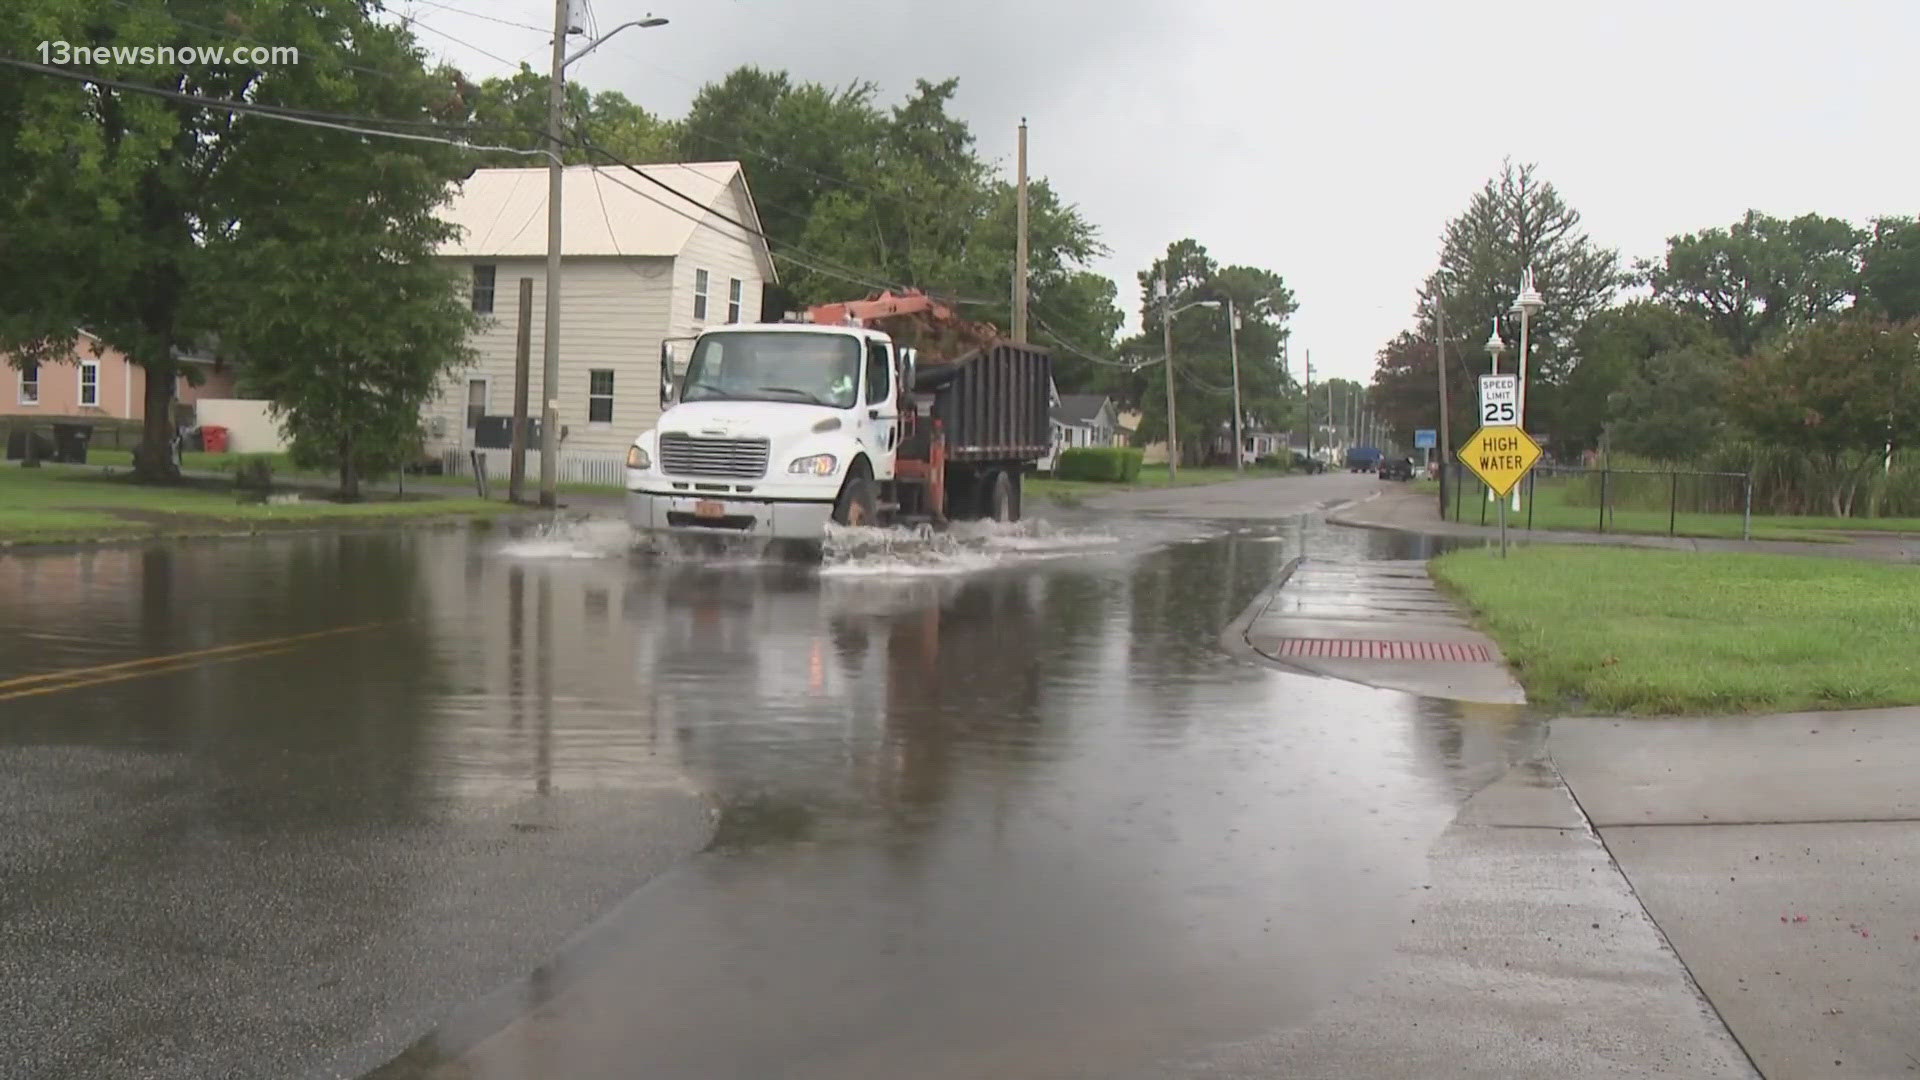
[1331,141]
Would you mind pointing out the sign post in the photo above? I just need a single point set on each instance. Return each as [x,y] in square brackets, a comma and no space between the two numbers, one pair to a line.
[1424,440]
[1500,455]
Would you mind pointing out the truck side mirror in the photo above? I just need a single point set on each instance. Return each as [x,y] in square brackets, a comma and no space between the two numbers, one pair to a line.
[909,361]
[666,374]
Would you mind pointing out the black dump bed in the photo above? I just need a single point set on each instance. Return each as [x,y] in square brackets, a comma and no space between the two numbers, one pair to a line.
[993,403]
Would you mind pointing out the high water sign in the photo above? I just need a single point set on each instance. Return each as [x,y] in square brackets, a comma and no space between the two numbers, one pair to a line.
[1500,455]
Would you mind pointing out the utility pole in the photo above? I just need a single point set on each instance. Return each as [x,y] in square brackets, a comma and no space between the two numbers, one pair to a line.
[1166,333]
[1309,402]
[1020,246]
[1233,346]
[522,351]
[550,364]
[1440,367]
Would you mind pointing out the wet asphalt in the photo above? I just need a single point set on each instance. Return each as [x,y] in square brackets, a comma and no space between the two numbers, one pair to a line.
[463,804]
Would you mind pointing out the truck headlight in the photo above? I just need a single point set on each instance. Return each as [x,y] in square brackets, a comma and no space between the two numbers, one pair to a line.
[637,458]
[817,465]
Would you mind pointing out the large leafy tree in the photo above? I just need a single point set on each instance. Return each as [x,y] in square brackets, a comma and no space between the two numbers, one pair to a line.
[1515,222]
[135,209]
[1652,379]
[328,290]
[1202,350]
[1761,276]
[1890,271]
[1843,392]
[513,112]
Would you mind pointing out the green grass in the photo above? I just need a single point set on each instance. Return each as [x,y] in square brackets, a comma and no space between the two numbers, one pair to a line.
[49,504]
[1633,632]
[1552,510]
[1151,476]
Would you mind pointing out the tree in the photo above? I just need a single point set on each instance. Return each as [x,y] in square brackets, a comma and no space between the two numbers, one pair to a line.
[514,112]
[1890,274]
[327,291]
[1761,276]
[1202,354]
[1843,392]
[116,197]
[1652,377]
[1517,221]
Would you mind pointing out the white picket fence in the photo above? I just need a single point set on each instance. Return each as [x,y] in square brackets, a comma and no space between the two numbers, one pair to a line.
[604,469]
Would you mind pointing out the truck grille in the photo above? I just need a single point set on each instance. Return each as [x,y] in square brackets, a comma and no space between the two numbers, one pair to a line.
[689,455]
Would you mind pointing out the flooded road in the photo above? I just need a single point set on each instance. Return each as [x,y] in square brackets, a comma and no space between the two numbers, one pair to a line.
[998,805]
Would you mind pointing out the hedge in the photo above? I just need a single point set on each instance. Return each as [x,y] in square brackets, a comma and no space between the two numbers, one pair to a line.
[1105,464]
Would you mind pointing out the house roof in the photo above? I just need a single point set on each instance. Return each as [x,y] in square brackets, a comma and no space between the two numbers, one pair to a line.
[1079,408]
[604,211]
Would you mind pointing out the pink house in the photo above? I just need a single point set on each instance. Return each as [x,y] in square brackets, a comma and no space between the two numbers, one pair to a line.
[96,382]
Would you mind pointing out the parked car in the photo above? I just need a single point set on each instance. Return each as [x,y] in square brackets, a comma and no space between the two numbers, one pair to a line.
[1305,464]
[1400,468]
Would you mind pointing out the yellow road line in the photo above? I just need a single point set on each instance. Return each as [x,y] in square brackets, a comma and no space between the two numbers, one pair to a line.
[69,674]
[144,672]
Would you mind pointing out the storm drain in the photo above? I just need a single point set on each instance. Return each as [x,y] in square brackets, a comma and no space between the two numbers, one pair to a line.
[1355,649]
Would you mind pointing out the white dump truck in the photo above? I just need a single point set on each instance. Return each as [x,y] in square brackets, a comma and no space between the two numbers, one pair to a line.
[774,430]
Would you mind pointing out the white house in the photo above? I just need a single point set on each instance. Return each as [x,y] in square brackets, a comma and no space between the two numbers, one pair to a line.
[1081,420]
[640,264]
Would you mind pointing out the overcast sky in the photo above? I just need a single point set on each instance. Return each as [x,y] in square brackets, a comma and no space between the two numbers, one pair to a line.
[1331,141]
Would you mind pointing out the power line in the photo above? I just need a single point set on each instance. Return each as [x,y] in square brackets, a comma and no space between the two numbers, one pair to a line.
[547,30]
[331,121]
[413,22]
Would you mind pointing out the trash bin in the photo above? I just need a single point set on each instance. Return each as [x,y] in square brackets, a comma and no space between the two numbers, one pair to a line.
[215,438]
[70,442]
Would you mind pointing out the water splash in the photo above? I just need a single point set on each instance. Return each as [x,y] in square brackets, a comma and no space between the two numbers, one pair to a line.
[962,548]
[592,538]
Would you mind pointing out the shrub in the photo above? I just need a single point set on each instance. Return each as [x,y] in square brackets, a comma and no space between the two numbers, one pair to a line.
[253,472]
[1103,464]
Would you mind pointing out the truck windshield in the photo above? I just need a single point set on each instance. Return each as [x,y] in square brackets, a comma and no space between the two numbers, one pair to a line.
[817,369]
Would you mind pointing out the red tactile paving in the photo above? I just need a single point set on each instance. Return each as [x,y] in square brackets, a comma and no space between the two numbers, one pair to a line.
[1356,649]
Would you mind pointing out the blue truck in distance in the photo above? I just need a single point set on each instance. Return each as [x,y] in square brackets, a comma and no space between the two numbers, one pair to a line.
[1363,459]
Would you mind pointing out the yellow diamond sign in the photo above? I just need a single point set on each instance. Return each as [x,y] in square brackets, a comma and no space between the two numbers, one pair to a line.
[1500,456]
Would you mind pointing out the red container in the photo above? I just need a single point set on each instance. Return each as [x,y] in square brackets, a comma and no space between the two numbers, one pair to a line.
[214,438]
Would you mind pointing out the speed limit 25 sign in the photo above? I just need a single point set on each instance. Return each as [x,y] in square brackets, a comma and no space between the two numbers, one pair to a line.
[1499,400]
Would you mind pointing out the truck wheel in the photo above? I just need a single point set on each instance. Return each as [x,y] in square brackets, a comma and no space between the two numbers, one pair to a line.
[858,503]
[1003,497]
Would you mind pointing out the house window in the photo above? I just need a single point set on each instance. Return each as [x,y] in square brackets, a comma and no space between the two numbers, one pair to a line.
[476,401]
[699,296]
[30,384]
[734,286]
[600,396]
[90,382]
[483,288]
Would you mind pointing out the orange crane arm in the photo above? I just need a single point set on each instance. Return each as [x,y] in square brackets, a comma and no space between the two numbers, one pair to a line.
[880,305]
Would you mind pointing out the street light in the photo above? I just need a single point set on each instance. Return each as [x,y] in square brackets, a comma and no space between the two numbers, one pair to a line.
[1495,349]
[1167,311]
[550,365]
[1526,306]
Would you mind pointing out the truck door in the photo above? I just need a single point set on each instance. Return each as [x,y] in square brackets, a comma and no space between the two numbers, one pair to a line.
[880,420]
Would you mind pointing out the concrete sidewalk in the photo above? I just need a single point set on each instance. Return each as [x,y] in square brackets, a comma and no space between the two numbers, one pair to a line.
[1781,857]
[1380,623]
[1414,512]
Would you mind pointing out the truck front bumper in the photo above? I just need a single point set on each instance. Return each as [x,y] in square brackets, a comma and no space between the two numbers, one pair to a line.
[675,513]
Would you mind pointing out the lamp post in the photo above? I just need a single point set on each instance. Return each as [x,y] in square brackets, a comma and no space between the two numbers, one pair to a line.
[1164,294]
[1526,306]
[550,364]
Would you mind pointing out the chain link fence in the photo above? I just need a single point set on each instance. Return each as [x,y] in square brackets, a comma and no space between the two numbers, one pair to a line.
[1671,502]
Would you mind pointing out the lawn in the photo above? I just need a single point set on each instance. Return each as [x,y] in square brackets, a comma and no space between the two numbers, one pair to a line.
[201,461]
[1151,476]
[50,504]
[1552,508]
[1626,631]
